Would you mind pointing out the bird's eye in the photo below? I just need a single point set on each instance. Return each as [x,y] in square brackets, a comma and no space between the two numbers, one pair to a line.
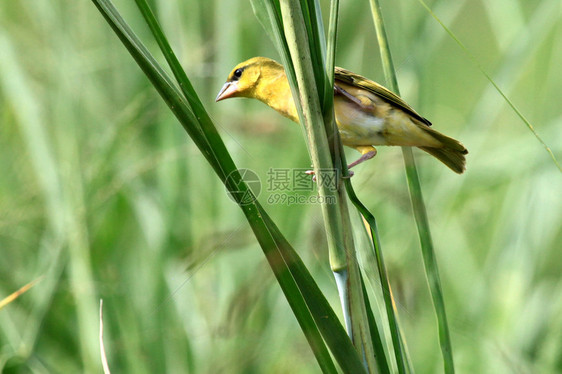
[237,73]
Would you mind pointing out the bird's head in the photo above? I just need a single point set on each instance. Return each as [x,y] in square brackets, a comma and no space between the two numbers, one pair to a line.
[246,77]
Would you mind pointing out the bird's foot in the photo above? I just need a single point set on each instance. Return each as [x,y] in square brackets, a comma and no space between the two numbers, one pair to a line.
[311,172]
[350,174]
[367,153]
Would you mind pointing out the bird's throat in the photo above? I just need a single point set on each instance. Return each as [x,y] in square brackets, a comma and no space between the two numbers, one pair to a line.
[276,93]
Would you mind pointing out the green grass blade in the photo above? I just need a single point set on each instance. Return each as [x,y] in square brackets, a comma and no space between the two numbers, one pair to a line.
[418,205]
[268,18]
[269,15]
[491,80]
[319,306]
[378,345]
[292,276]
[316,42]
[209,130]
[166,88]
[399,354]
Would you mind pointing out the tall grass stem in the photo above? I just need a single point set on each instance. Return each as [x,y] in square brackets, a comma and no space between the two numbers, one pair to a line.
[418,205]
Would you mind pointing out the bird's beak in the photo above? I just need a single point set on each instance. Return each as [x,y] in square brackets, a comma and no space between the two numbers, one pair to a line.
[228,90]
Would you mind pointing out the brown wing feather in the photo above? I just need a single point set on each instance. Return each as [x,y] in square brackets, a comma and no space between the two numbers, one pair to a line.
[356,80]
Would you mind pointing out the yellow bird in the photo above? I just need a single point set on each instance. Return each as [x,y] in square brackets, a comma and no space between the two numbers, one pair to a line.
[367,114]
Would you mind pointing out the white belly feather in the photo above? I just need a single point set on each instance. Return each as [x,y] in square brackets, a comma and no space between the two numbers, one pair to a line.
[357,127]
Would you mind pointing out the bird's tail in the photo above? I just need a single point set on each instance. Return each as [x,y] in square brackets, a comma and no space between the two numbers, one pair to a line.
[451,153]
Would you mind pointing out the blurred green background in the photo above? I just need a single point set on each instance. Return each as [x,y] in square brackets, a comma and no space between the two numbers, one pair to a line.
[104,195]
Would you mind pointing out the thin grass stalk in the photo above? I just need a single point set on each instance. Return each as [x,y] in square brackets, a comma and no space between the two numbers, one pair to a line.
[420,214]
[341,163]
[376,333]
[496,87]
[14,295]
[317,43]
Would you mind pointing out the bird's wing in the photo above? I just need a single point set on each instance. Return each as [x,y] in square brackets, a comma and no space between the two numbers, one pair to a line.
[356,80]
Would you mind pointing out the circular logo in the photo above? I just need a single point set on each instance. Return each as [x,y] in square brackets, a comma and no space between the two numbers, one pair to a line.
[239,194]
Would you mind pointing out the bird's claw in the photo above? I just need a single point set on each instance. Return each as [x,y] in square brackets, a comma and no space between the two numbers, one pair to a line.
[311,172]
[350,174]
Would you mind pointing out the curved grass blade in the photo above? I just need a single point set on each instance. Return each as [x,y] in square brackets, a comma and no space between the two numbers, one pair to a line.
[399,354]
